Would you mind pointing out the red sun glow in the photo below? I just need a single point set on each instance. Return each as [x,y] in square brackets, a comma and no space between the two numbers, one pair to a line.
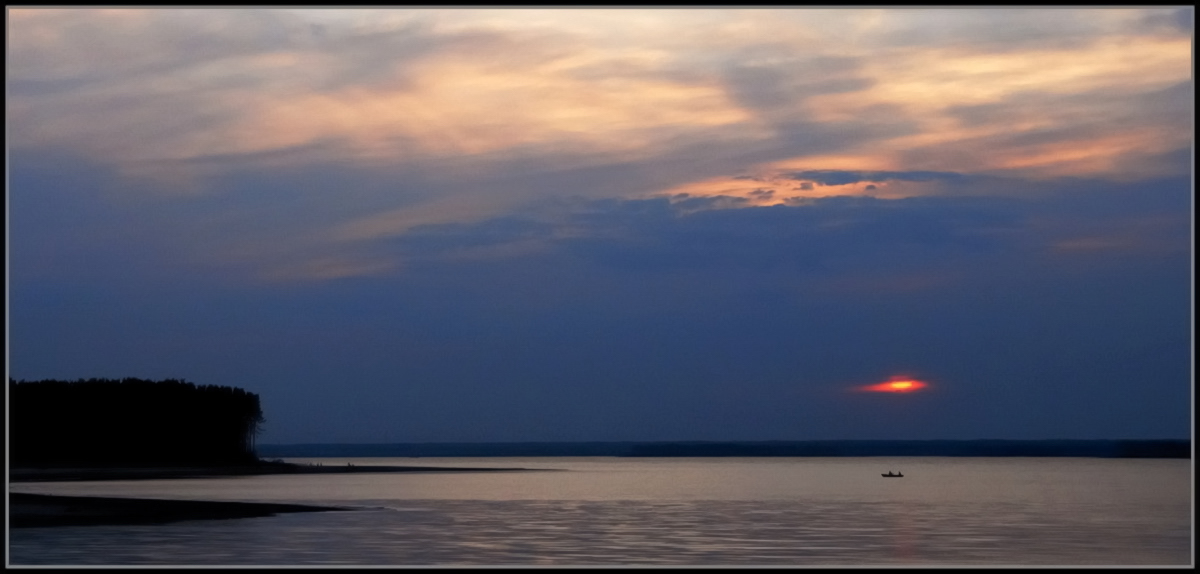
[896,385]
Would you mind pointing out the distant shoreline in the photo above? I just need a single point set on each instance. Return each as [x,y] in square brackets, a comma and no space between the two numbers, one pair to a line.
[1100,448]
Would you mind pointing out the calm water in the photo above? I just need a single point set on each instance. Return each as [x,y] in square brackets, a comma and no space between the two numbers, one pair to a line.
[623,511]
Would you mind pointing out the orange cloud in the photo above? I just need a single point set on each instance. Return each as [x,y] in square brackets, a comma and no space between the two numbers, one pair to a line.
[177,95]
[777,189]
[613,83]
[457,107]
[928,85]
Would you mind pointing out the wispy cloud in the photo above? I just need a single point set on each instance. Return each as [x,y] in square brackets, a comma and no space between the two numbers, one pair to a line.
[475,113]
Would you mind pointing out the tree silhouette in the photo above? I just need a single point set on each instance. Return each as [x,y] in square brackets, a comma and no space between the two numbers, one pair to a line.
[107,422]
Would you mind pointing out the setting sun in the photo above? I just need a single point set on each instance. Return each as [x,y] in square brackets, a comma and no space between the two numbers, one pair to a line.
[896,385]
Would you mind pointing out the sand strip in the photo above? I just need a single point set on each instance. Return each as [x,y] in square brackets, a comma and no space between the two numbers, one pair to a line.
[76,474]
[31,510]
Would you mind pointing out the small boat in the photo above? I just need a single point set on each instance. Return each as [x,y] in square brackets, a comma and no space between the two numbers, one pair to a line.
[890,475]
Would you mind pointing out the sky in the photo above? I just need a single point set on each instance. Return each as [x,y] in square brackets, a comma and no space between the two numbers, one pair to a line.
[558,224]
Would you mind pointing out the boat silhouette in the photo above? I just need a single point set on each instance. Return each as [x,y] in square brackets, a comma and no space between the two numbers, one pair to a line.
[890,475]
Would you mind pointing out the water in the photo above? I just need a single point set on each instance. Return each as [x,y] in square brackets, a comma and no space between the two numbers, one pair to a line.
[663,511]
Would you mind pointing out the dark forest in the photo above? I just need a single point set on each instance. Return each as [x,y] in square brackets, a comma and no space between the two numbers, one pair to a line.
[130,422]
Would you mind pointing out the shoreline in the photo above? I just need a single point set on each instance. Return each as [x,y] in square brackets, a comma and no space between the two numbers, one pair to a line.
[48,510]
[27,510]
[150,473]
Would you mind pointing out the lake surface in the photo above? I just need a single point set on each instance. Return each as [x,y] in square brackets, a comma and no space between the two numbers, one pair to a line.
[662,511]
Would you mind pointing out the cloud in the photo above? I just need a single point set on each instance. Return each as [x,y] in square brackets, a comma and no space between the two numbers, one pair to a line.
[839,177]
[826,247]
[772,79]
[408,88]
[1014,29]
[1117,131]
[314,136]
[156,90]
[1170,20]
[822,235]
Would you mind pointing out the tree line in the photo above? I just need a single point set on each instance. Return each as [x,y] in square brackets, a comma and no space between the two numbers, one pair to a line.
[131,422]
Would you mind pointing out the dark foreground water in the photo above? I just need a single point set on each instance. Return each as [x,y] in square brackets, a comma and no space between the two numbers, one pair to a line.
[620,511]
